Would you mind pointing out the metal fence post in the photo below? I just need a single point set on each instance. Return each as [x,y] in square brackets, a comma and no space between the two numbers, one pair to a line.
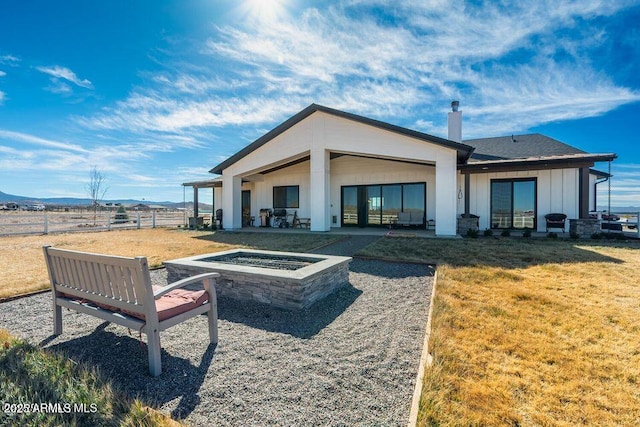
[109,221]
[46,224]
[138,220]
[153,219]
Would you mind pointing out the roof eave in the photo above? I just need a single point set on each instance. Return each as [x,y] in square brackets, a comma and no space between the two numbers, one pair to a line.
[492,165]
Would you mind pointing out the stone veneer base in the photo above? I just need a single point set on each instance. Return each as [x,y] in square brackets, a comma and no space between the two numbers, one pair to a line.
[584,227]
[466,224]
[291,290]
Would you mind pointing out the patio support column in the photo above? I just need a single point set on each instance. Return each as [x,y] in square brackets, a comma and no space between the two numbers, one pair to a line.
[583,193]
[319,193]
[195,203]
[446,195]
[231,201]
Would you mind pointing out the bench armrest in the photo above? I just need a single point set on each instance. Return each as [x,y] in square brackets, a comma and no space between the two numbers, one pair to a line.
[182,283]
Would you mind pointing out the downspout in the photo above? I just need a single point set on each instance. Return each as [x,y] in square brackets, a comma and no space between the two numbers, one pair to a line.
[467,201]
[595,192]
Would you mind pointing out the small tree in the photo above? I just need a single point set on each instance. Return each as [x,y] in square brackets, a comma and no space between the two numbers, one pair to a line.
[97,188]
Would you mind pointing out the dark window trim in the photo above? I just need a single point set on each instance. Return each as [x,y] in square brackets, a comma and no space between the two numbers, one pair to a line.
[297,187]
[424,206]
[512,180]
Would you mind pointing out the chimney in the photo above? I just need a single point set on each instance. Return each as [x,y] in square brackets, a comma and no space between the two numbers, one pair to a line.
[454,120]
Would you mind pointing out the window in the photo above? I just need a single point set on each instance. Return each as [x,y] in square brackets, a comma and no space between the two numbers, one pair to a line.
[513,203]
[287,196]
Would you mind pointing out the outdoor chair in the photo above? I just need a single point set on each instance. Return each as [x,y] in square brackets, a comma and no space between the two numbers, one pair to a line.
[218,219]
[555,220]
[298,222]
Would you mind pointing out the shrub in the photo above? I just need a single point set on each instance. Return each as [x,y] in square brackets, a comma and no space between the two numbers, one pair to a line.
[552,235]
[471,233]
[505,233]
[526,233]
[488,232]
[121,216]
[596,236]
[574,235]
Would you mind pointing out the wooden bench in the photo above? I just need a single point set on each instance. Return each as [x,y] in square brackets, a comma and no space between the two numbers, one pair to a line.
[119,290]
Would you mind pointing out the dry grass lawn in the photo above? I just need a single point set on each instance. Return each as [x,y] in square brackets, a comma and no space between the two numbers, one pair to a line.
[23,268]
[531,332]
[29,374]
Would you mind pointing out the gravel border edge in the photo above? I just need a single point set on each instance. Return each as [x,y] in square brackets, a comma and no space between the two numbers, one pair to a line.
[425,360]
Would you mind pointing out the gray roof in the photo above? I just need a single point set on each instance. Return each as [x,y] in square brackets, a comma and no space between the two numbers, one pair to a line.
[518,147]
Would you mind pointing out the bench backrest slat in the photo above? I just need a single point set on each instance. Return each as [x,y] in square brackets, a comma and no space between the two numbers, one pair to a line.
[112,274]
[118,281]
[104,279]
[83,271]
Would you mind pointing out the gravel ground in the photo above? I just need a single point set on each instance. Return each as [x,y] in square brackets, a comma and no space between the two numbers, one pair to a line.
[351,359]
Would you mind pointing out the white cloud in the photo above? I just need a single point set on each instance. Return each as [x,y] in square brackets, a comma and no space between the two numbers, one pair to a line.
[143,113]
[9,60]
[512,67]
[58,72]
[60,88]
[2,73]
[3,96]
[435,52]
[36,140]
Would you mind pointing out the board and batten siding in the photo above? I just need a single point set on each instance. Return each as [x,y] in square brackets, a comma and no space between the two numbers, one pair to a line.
[262,191]
[557,192]
[349,170]
[345,170]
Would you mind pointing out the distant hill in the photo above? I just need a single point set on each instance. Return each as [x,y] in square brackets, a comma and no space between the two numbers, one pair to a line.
[616,209]
[71,201]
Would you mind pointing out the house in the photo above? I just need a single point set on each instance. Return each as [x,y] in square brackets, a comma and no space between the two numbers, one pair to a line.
[344,170]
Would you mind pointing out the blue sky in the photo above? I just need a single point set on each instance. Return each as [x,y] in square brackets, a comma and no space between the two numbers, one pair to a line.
[155,93]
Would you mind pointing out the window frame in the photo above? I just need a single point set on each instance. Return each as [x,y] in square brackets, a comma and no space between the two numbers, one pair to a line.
[512,181]
[286,189]
[361,189]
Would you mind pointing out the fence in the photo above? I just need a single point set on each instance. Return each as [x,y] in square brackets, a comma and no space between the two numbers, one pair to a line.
[630,222]
[15,223]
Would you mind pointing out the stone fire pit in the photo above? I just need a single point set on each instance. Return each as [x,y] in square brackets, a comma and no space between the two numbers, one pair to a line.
[288,280]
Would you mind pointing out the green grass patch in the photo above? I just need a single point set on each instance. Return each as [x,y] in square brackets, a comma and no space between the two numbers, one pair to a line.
[288,242]
[47,389]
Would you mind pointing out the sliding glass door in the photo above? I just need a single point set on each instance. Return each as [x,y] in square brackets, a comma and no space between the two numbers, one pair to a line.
[350,205]
[379,205]
[513,203]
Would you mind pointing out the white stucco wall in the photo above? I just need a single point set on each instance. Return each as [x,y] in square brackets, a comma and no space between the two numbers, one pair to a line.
[557,191]
[322,133]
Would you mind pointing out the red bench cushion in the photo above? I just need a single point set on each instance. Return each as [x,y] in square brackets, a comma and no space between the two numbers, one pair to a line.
[169,305]
[179,301]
